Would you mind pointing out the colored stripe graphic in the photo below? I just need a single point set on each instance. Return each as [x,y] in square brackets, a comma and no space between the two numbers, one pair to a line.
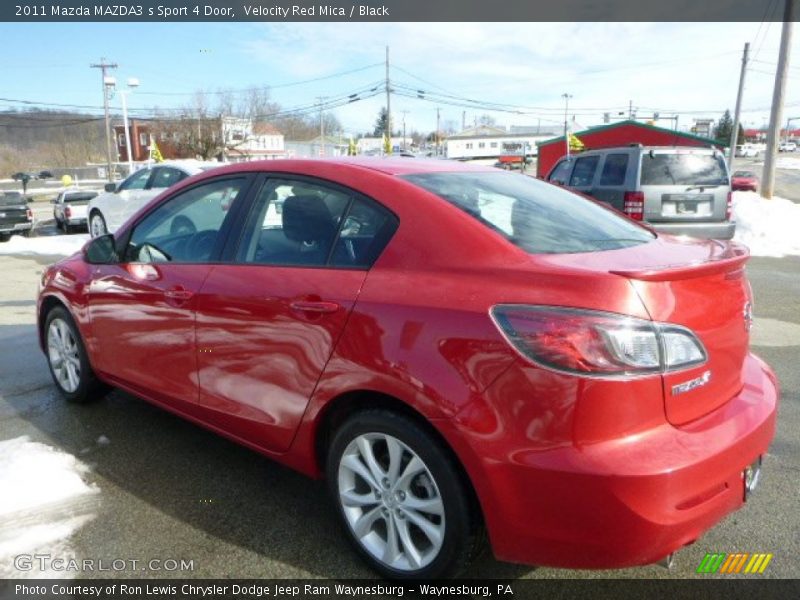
[739,562]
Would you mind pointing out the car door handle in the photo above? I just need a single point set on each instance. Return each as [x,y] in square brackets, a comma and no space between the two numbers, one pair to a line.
[178,295]
[314,307]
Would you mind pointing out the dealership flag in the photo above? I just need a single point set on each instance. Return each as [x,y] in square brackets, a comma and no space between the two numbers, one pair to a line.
[575,143]
[155,153]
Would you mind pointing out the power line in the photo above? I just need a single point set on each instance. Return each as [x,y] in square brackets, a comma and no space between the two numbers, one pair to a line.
[268,87]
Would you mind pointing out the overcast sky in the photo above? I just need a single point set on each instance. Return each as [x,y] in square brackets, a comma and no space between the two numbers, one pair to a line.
[665,67]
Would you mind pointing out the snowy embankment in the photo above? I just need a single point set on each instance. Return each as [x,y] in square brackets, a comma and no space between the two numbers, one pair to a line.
[44,501]
[56,245]
[767,227]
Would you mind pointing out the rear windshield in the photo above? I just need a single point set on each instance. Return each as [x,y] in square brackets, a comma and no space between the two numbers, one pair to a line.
[79,197]
[11,199]
[744,174]
[538,217]
[683,169]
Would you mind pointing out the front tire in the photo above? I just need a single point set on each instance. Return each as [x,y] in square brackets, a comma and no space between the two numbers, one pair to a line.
[97,225]
[67,358]
[401,497]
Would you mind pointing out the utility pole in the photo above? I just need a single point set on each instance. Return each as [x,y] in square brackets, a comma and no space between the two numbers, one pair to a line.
[463,120]
[405,145]
[321,100]
[737,111]
[437,131]
[566,98]
[388,101]
[104,66]
[773,133]
[630,109]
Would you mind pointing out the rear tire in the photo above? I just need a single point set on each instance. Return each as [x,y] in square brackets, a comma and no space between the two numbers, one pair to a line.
[67,359]
[401,497]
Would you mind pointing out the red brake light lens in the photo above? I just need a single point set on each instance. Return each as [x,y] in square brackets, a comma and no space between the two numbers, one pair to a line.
[634,205]
[596,343]
[29,214]
[67,212]
[729,209]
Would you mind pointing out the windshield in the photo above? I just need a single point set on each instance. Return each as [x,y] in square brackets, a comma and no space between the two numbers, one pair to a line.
[744,174]
[683,169]
[538,217]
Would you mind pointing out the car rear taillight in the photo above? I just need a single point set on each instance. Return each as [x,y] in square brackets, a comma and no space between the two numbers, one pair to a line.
[596,343]
[634,205]
[67,212]
[29,214]
[729,207]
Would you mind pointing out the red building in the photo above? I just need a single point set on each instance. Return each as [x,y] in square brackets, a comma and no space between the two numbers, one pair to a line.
[623,133]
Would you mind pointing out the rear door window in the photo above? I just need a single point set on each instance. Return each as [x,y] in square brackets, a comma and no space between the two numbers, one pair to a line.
[583,173]
[164,177]
[614,169]
[310,224]
[683,169]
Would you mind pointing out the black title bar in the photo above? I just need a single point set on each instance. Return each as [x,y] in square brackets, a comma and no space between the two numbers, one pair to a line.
[393,11]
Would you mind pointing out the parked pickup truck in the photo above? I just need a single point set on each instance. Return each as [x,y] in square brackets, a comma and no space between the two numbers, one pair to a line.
[15,216]
[70,209]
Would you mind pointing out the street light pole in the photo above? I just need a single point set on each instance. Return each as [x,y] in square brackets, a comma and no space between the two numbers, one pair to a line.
[104,66]
[132,83]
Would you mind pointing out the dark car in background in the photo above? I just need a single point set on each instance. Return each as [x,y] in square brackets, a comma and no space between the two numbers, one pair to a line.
[15,216]
[677,190]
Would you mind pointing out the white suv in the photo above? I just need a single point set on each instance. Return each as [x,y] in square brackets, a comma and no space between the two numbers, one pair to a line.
[108,211]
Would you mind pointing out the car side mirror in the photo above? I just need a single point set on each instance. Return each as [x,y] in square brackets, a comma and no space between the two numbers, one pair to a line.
[110,187]
[29,200]
[101,250]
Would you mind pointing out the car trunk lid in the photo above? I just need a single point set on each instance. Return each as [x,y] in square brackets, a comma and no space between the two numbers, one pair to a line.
[698,284]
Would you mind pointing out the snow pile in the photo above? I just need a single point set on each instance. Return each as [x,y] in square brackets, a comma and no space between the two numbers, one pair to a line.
[57,245]
[787,162]
[44,500]
[768,227]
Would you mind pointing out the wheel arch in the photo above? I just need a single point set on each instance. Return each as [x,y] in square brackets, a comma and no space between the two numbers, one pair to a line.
[338,409]
[49,303]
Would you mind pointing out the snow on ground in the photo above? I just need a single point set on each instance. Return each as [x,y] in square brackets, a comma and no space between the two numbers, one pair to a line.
[787,162]
[57,245]
[768,227]
[44,500]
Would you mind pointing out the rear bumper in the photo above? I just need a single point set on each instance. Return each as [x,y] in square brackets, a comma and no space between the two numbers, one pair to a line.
[12,227]
[721,230]
[629,501]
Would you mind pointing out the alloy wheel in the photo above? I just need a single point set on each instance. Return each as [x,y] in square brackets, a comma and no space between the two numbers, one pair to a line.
[63,354]
[391,502]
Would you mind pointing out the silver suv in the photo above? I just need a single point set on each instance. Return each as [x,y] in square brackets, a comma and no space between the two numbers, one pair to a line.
[677,190]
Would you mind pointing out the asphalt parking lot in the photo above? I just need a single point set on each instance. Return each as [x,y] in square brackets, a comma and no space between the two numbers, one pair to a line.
[170,490]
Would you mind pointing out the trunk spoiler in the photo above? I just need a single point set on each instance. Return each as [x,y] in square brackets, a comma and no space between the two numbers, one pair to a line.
[733,259]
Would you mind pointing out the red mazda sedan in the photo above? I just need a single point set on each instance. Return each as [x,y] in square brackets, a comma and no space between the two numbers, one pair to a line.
[454,349]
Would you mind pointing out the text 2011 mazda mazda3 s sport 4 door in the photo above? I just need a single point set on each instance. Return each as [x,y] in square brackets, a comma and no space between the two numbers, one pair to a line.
[454,349]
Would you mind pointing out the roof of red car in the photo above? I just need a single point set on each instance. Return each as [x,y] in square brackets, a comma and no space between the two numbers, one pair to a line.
[389,165]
